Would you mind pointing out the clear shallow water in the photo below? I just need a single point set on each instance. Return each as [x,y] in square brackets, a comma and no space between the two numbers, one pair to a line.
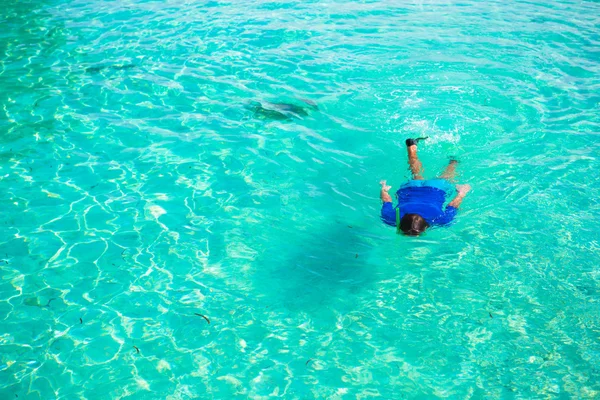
[134,198]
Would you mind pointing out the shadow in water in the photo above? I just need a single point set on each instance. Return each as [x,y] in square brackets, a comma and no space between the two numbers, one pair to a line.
[316,270]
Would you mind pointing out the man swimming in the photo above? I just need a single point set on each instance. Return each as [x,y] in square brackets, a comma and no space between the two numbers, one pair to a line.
[420,201]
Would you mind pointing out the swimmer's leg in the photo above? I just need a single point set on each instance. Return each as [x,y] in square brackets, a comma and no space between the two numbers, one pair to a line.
[450,171]
[413,160]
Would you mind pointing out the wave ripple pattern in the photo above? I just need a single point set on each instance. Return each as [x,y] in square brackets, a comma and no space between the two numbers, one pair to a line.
[170,232]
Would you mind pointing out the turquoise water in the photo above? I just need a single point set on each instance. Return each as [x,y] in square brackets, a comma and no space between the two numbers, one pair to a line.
[140,188]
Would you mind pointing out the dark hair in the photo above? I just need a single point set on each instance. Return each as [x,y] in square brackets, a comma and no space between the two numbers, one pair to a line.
[413,224]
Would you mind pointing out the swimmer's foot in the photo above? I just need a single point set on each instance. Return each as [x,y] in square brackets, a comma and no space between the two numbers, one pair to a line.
[415,141]
[450,171]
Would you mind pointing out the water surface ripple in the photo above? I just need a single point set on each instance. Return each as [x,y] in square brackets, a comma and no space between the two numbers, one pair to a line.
[144,189]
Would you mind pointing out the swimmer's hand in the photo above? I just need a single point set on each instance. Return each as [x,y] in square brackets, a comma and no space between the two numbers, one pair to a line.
[383,194]
[463,189]
[462,192]
[384,185]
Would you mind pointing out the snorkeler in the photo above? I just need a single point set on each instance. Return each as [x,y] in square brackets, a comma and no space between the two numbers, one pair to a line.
[421,202]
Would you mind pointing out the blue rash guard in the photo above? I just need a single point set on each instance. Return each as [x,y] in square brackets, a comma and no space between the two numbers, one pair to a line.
[425,198]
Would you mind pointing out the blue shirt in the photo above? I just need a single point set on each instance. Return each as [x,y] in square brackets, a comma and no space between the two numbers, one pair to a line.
[427,201]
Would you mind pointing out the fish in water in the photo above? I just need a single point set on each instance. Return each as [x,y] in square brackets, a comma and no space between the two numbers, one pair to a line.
[96,69]
[281,111]
[122,67]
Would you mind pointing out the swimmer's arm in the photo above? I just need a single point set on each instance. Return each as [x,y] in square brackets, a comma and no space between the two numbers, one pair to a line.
[462,192]
[383,194]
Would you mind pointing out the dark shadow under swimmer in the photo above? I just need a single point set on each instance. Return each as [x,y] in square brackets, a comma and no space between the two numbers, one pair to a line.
[281,111]
[420,201]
